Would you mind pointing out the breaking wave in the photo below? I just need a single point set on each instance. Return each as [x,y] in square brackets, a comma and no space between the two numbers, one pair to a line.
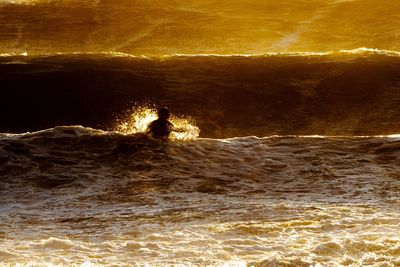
[283,158]
[345,93]
[73,195]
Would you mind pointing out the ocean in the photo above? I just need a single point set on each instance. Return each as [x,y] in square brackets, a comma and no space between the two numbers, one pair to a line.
[288,153]
[76,196]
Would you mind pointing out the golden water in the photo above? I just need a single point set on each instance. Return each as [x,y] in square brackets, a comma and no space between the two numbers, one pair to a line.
[278,201]
[197,27]
[76,196]
[139,118]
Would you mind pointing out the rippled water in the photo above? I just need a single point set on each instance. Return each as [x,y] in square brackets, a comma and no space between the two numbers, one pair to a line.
[73,195]
[77,196]
[185,26]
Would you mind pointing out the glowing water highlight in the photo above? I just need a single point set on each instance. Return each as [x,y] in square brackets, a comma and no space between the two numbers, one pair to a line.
[140,118]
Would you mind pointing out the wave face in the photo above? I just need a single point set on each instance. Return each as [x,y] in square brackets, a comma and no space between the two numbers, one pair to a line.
[348,93]
[180,26]
[77,196]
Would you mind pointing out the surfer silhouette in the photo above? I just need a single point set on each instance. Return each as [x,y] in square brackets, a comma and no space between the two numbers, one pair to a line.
[162,127]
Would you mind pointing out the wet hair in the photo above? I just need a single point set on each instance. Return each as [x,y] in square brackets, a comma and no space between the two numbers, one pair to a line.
[163,113]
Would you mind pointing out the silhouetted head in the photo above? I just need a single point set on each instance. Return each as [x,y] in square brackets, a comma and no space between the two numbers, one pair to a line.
[163,113]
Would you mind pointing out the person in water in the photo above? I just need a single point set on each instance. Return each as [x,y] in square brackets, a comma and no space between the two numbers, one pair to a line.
[162,127]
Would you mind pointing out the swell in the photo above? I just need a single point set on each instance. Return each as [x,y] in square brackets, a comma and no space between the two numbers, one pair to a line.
[108,166]
[348,94]
[165,27]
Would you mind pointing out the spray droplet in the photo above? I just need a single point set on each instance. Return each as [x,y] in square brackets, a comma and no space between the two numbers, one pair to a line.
[140,117]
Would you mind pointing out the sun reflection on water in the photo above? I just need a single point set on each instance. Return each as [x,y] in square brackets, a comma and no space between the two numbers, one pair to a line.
[140,117]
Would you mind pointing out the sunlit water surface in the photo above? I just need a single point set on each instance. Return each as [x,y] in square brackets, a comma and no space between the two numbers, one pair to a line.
[75,196]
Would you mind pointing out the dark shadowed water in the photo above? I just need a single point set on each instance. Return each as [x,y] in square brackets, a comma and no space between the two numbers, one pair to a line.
[297,163]
[348,93]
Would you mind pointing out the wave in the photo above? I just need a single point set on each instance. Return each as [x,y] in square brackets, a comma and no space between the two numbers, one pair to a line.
[73,157]
[353,93]
[189,27]
[362,51]
[103,194]
[83,171]
[297,161]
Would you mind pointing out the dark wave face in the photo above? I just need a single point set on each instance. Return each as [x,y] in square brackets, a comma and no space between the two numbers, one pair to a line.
[343,94]
[298,158]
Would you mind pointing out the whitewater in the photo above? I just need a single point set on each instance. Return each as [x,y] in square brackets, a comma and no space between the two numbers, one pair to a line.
[289,156]
[76,196]
[312,181]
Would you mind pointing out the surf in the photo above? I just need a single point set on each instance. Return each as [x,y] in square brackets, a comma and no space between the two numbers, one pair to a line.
[346,93]
[289,199]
